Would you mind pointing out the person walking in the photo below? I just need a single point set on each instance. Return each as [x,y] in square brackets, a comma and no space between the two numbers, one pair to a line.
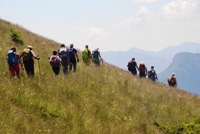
[96,57]
[152,74]
[28,56]
[172,81]
[86,55]
[142,70]
[132,66]
[73,57]
[64,55]
[55,61]
[14,62]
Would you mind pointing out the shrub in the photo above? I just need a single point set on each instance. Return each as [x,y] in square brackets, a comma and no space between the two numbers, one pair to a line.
[15,37]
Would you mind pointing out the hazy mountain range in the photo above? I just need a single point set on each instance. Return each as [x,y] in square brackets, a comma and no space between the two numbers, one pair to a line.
[160,60]
[166,61]
[187,71]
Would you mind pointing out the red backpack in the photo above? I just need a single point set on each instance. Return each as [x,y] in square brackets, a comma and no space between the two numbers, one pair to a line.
[54,61]
[142,67]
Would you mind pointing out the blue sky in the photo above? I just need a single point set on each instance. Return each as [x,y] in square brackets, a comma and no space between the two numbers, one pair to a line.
[108,24]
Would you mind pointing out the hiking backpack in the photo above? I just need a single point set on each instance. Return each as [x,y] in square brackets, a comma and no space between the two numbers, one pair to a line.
[27,54]
[12,58]
[95,54]
[71,53]
[130,66]
[54,61]
[171,80]
[64,54]
[142,68]
[85,54]
[151,74]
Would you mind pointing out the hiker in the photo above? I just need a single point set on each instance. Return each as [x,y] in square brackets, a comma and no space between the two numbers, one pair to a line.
[132,66]
[152,74]
[86,55]
[64,55]
[142,70]
[73,57]
[55,61]
[13,60]
[96,57]
[172,82]
[28,57]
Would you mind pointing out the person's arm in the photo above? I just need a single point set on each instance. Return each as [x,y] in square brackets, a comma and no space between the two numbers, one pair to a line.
[59,59]
[89,54]
[136,66]
[76,55]
[156,75]
[19,59]
[99,55]
[128,64]
[34,56]
[175,82]
[68,58]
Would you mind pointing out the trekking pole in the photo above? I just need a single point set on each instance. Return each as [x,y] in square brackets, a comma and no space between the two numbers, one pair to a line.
[39,66]
[102,60]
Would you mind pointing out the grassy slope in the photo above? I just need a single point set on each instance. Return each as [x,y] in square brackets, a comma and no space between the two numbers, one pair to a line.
[92,100]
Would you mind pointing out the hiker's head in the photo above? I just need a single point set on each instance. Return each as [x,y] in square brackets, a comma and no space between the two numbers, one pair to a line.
[173,74]
[14,49]
[142,63]
[54,52]
[71,45]
[152,67]
[62,45]
[30,47]
[133,59]
[86,46]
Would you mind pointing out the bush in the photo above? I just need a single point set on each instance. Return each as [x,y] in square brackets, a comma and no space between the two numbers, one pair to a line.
[15,37]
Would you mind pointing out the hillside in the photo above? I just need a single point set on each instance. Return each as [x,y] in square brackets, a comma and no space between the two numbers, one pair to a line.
[186,66]
[92,100]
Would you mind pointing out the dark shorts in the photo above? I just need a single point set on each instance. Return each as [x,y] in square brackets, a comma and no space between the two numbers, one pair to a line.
[96,61]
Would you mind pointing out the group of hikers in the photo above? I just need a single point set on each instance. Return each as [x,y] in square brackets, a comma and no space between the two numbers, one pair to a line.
[14,61]
[68,58]
[151,74]
[65,57]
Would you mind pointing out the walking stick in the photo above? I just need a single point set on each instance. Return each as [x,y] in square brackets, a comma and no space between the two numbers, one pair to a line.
[39,67]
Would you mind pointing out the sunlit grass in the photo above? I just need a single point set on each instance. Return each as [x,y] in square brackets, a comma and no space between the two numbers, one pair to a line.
[92,100]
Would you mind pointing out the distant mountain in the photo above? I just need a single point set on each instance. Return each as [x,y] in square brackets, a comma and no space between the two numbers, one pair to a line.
[185,47]
[186,67]
[161,59]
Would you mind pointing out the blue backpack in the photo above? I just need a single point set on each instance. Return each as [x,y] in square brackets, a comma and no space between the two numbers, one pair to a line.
[95,54]
[64,55]
[12,58]
[71,54]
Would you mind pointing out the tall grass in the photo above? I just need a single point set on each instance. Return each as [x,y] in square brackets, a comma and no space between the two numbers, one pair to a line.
[92,100]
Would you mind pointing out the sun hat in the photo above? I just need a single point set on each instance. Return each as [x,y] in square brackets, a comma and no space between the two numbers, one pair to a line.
[29,46]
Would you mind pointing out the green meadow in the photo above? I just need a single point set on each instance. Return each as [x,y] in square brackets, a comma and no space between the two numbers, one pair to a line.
[92,100]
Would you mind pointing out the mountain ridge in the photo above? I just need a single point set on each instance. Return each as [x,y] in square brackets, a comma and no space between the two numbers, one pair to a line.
[186,66]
